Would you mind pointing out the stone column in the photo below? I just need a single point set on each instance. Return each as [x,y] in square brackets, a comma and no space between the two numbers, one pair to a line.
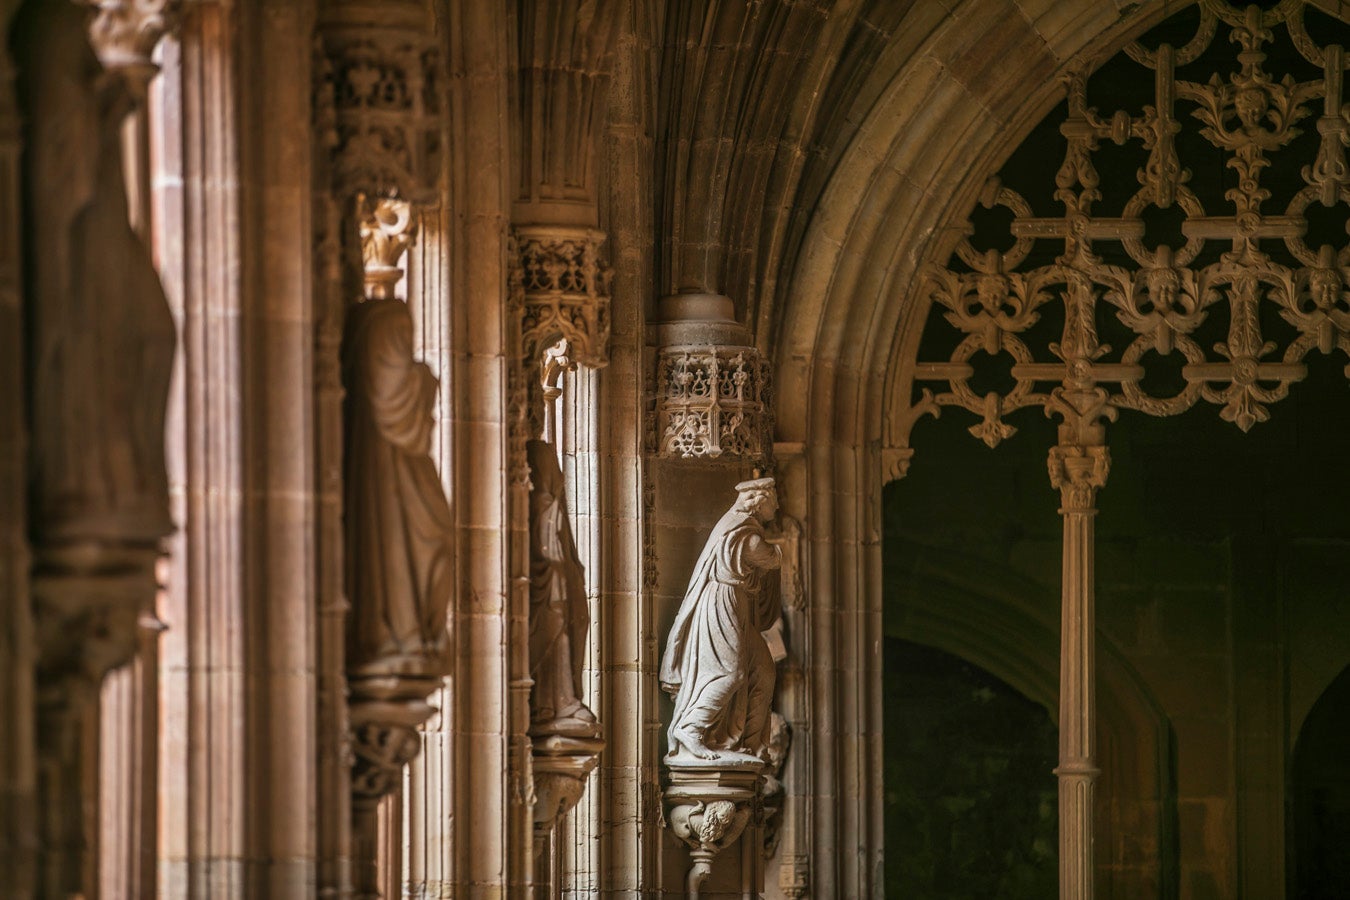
[1078,471]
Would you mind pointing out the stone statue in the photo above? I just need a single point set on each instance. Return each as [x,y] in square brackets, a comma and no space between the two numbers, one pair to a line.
[101,334]
[717,663]
[558,614]
[399,530]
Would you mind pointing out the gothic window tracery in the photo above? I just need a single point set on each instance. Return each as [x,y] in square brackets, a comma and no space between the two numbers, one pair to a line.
[1173,235]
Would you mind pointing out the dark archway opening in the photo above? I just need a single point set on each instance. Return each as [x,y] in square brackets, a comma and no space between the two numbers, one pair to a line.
[1319,799]
[970,798]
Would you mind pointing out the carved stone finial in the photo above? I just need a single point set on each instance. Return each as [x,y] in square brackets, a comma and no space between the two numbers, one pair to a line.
[124,34]
[387,230]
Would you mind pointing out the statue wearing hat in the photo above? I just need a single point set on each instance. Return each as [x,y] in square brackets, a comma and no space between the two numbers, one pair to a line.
[717,663]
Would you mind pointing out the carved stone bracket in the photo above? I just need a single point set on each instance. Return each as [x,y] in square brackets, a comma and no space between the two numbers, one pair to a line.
[561,766]
[708,806]
[385,715]
[712,388]
[88,600]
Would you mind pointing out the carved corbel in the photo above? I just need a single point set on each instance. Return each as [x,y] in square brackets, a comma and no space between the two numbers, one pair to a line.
[708,807]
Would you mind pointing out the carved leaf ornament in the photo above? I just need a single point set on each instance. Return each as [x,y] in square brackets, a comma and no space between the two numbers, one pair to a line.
[1242,151]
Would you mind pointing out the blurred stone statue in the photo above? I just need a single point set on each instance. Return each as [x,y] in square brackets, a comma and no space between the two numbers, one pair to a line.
[717,663]
[102,337]
[558,613]
[399,530]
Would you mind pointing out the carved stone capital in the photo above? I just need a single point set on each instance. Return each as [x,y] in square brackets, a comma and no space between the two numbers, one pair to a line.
[387,230]
[379,97]
[561,285]
[707,808]
[124,34]
[561,766]
[1078,472]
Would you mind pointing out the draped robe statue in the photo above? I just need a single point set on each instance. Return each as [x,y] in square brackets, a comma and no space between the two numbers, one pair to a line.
[399,530]
[558,613]
[717,663]
[101,334]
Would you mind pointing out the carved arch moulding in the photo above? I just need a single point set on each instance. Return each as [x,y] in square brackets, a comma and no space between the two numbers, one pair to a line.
[1185,241]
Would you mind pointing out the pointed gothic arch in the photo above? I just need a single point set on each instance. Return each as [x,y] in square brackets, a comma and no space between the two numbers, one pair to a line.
[929,125]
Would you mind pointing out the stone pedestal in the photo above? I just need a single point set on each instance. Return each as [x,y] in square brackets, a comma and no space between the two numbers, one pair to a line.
[386,711]
[708,805]
[561,765]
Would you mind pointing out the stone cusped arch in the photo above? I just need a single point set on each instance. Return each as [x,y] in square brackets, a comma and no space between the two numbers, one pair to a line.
[988,615]
[944,102]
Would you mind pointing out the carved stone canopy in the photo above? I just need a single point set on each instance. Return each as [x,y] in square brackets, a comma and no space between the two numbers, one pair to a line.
[563,289]
[379,97]
[712,387]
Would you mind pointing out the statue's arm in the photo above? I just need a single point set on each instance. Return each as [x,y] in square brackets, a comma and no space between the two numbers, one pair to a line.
[762,554]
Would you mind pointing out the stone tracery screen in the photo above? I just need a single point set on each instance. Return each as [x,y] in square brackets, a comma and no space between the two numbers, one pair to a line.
[1174,232]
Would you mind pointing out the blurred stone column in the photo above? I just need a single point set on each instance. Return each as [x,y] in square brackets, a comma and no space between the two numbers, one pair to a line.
[18,776]
[102,341]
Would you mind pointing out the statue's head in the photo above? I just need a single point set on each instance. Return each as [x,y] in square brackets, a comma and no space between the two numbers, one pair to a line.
[757,497]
